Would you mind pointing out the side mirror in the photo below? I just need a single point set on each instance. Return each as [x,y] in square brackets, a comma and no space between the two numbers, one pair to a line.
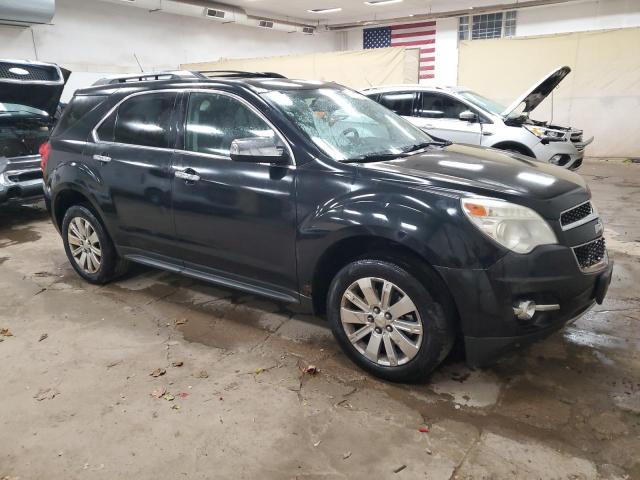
[258,150]
[468,116]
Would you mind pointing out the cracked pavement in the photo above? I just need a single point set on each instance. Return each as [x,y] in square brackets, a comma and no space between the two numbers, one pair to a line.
[240,406]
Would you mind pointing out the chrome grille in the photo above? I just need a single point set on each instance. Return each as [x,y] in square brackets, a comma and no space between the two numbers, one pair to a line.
[575,214]
[590,254]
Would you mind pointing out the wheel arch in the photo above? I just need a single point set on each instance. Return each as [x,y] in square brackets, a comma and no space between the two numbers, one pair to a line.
[68,196]
[515,146]
[357,247]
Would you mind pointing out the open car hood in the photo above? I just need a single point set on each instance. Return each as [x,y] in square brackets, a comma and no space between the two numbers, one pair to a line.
[539,91]
[34,84]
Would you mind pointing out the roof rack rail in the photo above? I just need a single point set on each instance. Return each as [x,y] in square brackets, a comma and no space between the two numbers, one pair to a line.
[238,73]
[147,77]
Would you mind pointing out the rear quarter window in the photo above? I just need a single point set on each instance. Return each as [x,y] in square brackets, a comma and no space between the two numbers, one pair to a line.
[76,111]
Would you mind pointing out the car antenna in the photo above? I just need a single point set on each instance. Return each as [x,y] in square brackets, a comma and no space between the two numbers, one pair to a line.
[138,62]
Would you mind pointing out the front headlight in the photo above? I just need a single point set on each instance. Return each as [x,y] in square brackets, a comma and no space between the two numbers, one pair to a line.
[542,132]
[513,226]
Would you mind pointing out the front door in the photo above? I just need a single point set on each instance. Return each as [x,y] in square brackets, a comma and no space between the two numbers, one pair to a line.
[438,114]
[132,154]
[235,220]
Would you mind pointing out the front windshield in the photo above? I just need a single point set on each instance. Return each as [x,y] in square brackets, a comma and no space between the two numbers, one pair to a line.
[483,102]
[22,109]
[347,125]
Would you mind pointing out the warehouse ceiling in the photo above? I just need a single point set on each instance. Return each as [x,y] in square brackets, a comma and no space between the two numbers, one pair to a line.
[361,10]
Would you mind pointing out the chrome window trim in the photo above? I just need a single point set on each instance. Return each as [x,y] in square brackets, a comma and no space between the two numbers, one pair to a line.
[96,139]
[596,267]
[34,82]
[592,216]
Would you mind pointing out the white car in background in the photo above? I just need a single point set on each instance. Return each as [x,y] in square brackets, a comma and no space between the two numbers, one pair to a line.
[462,116]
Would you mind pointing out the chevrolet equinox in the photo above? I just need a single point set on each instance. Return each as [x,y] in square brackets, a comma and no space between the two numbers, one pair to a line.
[309,192]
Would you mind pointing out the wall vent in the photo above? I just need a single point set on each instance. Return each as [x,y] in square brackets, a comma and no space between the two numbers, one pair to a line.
[265,24]
[308,30]
[215,13]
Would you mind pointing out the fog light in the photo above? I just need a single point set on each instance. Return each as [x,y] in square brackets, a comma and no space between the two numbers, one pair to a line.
[560,159]
[525,310]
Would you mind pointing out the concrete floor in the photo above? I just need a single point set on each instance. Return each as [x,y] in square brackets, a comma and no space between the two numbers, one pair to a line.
[79,403]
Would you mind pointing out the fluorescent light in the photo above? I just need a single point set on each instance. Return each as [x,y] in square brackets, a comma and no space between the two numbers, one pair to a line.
[378,3]
[324,10]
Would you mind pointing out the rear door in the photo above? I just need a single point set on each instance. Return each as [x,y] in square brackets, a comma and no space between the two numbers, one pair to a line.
[236,220]
[132,154]
[438,114]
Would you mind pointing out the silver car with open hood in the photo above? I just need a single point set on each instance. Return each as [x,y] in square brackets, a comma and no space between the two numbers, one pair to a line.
[463,116]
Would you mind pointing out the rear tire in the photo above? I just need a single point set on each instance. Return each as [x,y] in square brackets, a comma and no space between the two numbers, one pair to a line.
[388,321]
[89,248]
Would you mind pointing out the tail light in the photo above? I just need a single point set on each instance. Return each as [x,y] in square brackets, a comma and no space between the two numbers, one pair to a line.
[44,151]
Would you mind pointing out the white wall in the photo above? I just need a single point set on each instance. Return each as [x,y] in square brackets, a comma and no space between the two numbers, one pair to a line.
[94,38]
[580,16]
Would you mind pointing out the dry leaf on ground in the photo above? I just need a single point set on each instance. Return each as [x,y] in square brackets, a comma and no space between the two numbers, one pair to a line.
[159,392]
[46,394]
[158,372]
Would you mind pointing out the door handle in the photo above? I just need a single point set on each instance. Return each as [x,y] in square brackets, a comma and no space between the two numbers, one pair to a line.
[187,175]
[102,158]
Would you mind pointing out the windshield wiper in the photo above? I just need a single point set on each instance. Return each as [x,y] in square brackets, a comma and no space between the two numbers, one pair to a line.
[379,157]
[420,146]
[374,157]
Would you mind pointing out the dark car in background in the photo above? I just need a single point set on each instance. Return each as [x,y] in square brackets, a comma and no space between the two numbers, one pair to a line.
[309,192]
[29,106]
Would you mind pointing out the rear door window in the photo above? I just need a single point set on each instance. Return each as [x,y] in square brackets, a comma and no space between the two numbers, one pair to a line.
[143,120]
[400,102]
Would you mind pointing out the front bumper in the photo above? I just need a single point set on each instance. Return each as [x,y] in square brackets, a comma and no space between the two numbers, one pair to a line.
[485,298]
[565,154]
[20,178]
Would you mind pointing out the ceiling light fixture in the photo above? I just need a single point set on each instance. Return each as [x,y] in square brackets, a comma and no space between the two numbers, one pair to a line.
[324,10]
[379,3]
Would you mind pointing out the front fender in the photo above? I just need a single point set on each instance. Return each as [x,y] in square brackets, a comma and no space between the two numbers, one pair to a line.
[428,223]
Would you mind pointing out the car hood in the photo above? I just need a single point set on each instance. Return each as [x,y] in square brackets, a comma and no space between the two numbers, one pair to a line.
[482,171]
[539,91]
[34,84]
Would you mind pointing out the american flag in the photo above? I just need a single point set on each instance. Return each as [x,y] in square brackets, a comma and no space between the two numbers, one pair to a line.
[420,35]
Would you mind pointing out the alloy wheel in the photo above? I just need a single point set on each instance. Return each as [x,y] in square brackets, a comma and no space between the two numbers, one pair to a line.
[381,321]
[84,245]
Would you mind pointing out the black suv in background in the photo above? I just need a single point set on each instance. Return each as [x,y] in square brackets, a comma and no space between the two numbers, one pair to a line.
[29,100]
[309,192]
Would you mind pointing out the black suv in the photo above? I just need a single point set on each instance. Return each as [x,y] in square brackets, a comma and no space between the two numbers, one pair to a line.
[309,192]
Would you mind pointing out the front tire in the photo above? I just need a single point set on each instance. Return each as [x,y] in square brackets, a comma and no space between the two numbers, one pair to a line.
[89,248]
[388,321]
